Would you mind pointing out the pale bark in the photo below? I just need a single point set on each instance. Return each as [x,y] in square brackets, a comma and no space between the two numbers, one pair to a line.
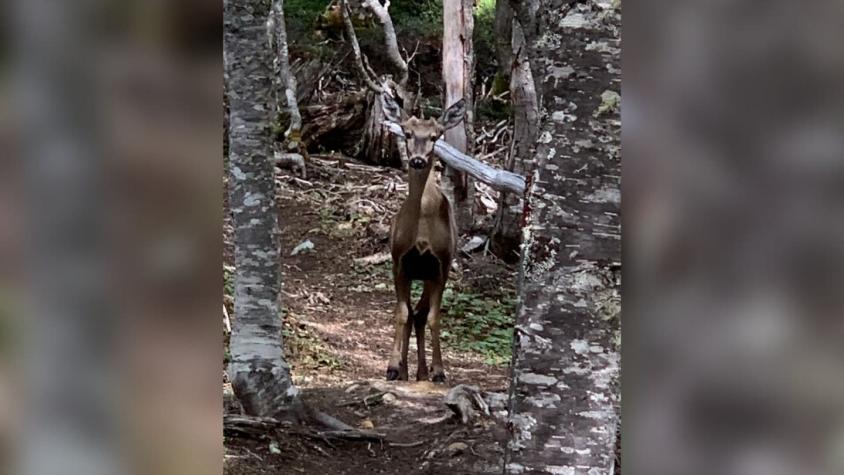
[378,145]
[288,80]
[458,67]
[564,395]
[368,77]
[507,234]
[260,376]
[390,39]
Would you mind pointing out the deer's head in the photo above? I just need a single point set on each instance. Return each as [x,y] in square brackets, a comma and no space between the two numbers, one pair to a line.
[421,134]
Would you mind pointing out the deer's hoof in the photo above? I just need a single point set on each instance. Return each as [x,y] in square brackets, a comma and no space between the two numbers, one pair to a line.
[438,377]
[392,374]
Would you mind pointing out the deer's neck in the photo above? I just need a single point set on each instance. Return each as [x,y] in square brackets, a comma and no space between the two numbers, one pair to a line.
[418,183]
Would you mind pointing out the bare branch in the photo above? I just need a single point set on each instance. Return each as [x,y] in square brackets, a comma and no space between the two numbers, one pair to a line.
[390,39]
[363,68]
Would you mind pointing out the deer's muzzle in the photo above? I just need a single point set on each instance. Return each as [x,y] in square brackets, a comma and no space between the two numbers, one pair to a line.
[417,163]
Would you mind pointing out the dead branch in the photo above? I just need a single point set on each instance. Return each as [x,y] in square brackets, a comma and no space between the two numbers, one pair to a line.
[390,39]
[226,321]
[288,80]
[251,426]
[365,74]
[362,435]
[292,161]
[407,444]
[501,180]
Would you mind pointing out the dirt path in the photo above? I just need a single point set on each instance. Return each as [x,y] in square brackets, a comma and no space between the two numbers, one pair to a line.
[339,333]
[349,309]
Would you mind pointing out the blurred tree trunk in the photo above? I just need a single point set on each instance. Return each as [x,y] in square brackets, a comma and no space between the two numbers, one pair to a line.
[260,376]
[507,234]
[564,394]
[458,71]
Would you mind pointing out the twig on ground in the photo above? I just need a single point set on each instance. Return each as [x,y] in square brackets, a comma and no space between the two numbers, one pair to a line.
[406,444]
[374,259]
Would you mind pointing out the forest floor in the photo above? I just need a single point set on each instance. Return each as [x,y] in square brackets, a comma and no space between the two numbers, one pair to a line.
[338,336]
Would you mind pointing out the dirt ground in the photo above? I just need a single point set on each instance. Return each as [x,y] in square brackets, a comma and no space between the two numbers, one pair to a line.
[338,335]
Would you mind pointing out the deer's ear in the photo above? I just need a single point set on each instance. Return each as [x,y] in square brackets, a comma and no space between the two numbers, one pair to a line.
[392,111]
[453,115]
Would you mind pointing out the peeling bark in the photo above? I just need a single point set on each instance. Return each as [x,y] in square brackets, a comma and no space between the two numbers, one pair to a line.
[458,67]
[260,376]
[564,395]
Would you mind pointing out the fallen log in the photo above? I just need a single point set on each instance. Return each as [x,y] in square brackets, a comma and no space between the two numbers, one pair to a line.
[501,180]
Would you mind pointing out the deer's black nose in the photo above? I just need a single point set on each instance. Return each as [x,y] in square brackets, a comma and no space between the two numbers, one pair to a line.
[416,163]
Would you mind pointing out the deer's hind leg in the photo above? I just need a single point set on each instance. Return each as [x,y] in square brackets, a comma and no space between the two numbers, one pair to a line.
[397,367]
[420,318]
[437,370]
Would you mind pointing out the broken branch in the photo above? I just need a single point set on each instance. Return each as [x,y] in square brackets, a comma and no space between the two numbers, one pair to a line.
[500,180]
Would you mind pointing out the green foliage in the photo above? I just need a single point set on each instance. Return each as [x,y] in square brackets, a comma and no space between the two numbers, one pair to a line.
[493,110]
[484,38]
[301,14]
[480,323]
[228,280]
[419,17]
[303,349]
[477,323]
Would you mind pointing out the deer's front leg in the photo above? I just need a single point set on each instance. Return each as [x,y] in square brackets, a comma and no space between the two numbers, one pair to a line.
[397,368]
[437,370]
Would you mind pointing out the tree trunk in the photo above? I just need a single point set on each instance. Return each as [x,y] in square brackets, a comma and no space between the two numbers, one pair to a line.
[68,424]
[503,39]
[458,67]
[260,376]
[379,145]
[508,226]
[564,395]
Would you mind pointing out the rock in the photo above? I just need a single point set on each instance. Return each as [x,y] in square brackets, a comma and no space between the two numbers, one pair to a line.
[474,244]
[389,398]
[456,448]
[466,401]
[304,246]
[367,424]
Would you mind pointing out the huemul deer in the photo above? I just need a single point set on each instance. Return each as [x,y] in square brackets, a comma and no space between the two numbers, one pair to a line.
[423,241]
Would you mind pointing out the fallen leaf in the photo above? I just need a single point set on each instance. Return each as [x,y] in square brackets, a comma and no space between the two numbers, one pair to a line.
[456,448]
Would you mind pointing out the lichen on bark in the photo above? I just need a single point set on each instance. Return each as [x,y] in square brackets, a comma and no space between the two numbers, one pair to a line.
[260,376]
[564,395]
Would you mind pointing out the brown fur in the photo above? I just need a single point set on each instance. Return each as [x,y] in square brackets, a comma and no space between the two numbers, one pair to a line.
[423,241]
